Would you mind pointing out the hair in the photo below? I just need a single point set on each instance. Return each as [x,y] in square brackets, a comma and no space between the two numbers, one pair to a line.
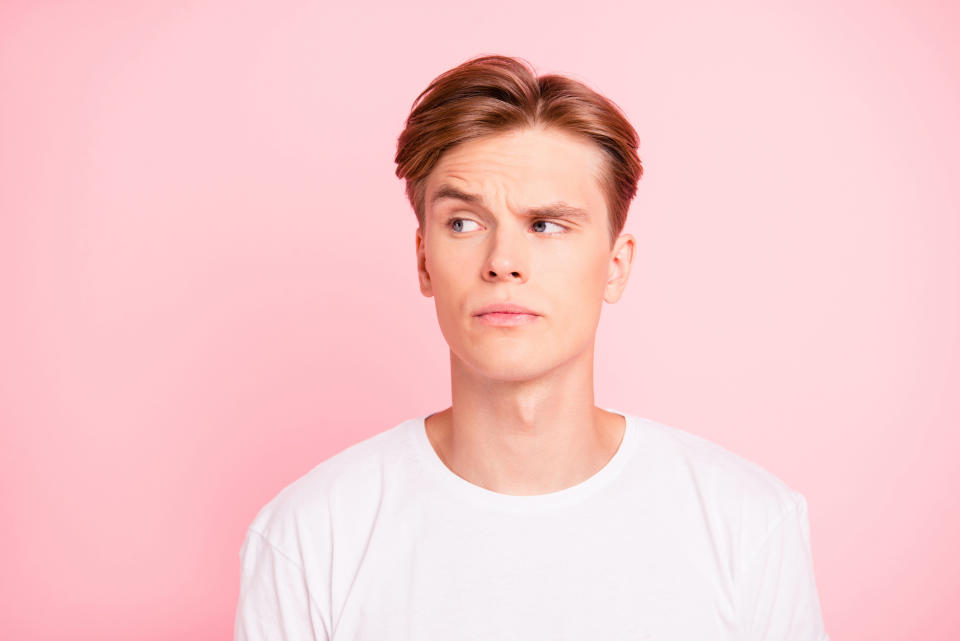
[493,94]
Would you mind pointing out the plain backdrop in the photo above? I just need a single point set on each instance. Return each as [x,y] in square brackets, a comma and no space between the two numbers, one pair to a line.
[208,277]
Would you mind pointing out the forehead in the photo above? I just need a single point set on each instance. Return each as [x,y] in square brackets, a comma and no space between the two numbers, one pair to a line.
[527,167]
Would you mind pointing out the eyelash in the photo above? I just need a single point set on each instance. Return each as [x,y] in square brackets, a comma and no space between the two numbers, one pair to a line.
[451,220]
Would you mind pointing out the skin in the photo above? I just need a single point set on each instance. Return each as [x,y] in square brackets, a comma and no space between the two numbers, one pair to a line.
[522,419]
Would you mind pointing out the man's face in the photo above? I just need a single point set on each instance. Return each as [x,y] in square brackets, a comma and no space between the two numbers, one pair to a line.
[520,218]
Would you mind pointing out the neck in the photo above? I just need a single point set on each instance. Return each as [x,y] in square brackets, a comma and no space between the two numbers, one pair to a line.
[525,437]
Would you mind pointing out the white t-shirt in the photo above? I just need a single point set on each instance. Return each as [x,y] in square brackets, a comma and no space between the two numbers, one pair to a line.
[674,538]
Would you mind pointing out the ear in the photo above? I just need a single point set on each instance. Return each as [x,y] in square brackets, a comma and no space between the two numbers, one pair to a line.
[621,258]
[426,287]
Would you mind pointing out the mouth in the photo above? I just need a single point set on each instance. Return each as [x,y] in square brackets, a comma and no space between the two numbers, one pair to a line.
[506,319]
[504,308]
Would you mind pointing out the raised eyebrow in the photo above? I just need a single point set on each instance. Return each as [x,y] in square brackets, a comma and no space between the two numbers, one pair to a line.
[558,210]
[554,210]
[448,191]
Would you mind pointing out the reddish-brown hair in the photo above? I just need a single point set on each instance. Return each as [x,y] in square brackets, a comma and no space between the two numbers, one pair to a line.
[496,94]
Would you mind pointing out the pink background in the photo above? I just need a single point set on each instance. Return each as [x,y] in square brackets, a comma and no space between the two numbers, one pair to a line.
[208,277]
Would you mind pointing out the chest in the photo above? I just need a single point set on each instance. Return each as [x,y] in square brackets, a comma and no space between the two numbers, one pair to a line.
[613,576]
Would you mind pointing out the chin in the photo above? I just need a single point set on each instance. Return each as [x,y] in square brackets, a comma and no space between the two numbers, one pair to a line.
[515,366]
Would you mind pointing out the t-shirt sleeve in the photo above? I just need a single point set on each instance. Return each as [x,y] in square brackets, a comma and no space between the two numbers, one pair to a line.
[275,602]
[778,590]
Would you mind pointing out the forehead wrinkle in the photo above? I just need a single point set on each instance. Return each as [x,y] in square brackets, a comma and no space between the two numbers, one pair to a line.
[472,192]
[490,172]
[558,209]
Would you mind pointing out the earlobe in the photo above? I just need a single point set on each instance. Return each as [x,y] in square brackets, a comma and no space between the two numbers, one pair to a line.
[621,261]
[422,274]
[425,288]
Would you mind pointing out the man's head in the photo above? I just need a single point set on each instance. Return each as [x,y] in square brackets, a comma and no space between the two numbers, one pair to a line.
[492,95]
[521,187]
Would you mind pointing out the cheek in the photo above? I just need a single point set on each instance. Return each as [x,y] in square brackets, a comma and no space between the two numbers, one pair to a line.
[448,267]
[451,275]
[581,285]
[581,272]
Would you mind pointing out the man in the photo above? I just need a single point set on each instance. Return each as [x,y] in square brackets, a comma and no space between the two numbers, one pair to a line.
[523,511]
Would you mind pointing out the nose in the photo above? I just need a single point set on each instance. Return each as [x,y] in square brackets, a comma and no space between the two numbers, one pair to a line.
[507,259]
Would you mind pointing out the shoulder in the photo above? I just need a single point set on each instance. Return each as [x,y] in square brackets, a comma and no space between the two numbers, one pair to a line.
[348,481]
[730,488]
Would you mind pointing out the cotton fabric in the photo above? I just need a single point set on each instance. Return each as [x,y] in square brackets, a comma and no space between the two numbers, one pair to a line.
[675,538]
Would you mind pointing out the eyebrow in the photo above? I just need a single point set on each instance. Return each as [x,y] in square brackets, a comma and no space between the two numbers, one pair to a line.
[554,210]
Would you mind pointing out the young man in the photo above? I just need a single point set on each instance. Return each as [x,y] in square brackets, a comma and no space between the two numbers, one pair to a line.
[523,511]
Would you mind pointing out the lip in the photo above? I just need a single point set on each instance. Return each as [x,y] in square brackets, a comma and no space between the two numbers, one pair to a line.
[505,308]
[505,315]
[500,319]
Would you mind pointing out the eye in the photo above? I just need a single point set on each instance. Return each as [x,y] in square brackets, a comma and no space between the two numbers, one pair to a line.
[456,224]
[561,228]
